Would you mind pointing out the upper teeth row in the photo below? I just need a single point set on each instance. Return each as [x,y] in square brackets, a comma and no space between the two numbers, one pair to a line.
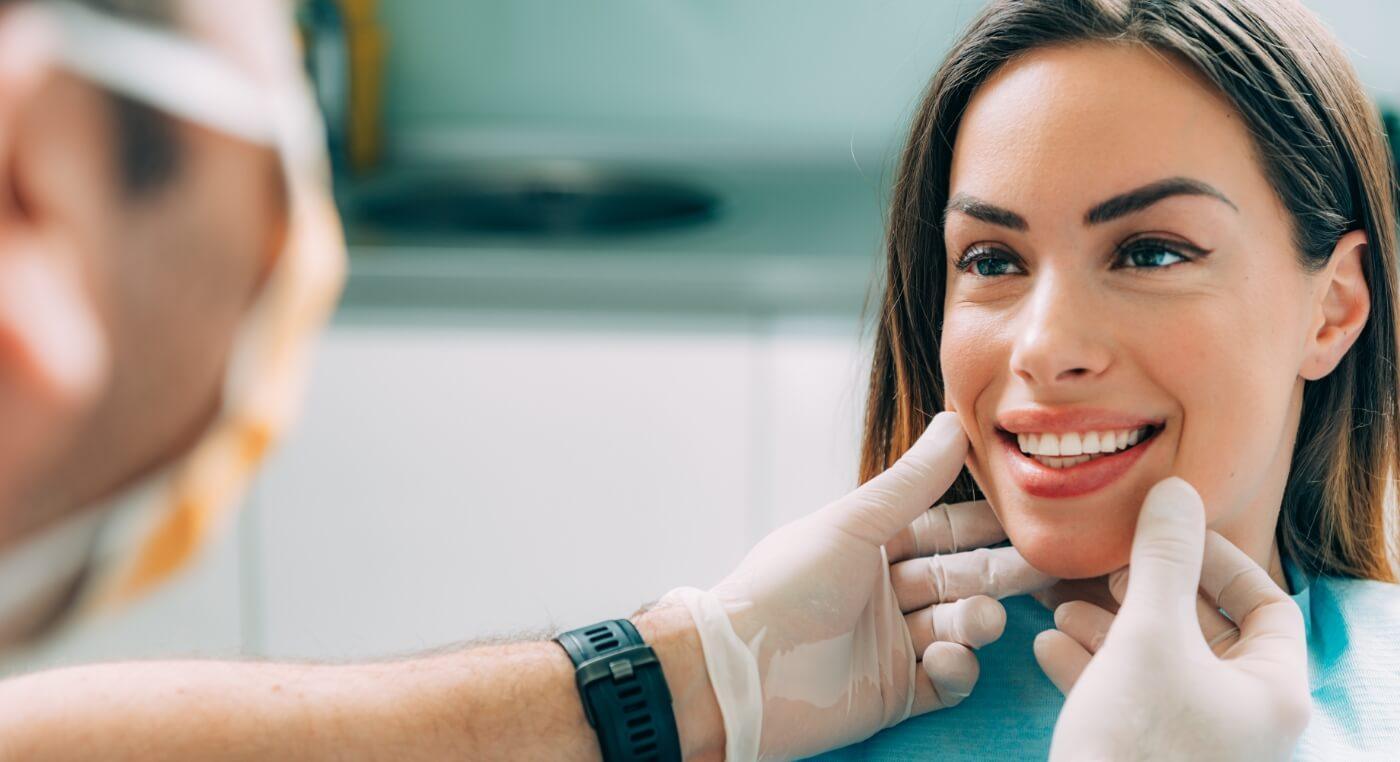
[1076,443]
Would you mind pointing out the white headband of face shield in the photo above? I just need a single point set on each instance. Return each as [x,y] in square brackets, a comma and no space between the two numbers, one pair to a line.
[184,78]
[160,69]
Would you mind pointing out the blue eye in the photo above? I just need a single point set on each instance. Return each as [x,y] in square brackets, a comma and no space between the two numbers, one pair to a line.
[987,262]
[989,266]
[1151,255]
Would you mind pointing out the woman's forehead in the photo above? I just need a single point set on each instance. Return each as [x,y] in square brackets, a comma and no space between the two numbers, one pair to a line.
[1062,128]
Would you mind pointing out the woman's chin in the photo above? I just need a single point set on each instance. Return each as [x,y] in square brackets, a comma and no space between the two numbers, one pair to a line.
[1073,555]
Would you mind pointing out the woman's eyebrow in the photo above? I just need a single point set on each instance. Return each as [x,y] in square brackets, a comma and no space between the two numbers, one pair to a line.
[1147,195]
[985,211]
[1134,200]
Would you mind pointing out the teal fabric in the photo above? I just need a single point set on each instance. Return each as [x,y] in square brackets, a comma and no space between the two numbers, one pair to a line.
[1353,629]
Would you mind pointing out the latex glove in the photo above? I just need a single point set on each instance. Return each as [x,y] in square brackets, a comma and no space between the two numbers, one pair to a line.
[806,642]
[1168,677]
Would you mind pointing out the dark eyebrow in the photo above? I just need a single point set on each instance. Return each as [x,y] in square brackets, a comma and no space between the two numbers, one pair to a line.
[1124,203]
[975,207]
[1147,195]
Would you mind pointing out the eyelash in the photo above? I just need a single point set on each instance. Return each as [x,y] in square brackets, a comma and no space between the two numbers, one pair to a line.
[1186,252]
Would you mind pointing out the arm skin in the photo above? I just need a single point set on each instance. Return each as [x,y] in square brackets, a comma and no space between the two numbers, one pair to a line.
[515,701]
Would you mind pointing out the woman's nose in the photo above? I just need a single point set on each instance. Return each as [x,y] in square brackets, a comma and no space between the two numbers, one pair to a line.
[1061,336]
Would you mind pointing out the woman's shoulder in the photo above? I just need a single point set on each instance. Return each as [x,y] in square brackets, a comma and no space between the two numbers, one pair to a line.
[1378,598]
[1351,620]
[1354,668]
[1330,600]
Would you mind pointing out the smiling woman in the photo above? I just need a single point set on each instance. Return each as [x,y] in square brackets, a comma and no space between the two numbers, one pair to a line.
[1133,240]
[1196,249]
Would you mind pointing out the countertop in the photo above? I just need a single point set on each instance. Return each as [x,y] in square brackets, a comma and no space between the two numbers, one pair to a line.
[786,238]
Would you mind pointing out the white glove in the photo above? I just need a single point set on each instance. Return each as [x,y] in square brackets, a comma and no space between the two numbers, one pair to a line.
[1168,676]
[807,644]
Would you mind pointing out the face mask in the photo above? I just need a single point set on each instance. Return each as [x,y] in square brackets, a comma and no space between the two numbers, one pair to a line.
[258,95]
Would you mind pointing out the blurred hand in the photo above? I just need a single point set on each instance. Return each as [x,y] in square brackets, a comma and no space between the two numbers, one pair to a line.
[814,641]
[1169,675]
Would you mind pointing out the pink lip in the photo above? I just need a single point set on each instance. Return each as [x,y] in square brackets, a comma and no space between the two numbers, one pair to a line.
[1039,480]
[1040,420]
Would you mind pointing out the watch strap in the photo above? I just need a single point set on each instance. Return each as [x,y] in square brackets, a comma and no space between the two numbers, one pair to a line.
[624,692]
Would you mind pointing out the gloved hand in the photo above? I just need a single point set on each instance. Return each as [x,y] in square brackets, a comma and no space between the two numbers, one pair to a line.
[807,642]
[1168,676]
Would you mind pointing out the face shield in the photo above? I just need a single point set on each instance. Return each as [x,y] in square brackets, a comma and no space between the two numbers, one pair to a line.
[234,68]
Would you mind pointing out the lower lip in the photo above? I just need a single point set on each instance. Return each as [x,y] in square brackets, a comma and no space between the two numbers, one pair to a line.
[1039,480]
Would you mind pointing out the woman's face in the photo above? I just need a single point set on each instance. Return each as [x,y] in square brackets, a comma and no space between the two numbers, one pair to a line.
[1118,262]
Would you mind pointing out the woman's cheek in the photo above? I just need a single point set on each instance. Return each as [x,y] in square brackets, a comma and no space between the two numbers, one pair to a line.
[967,357]
[1232,436]
[968,371]
[971,359]
[1234,443]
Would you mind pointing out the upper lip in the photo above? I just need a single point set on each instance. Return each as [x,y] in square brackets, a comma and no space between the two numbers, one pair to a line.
[1043,420]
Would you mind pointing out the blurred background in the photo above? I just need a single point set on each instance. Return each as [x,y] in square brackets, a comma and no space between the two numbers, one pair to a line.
[605,323]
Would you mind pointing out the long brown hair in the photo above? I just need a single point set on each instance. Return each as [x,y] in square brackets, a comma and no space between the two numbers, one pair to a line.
[1323,149]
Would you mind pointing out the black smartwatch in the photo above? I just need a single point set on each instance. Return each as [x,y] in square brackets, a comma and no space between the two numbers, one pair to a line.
[624,692]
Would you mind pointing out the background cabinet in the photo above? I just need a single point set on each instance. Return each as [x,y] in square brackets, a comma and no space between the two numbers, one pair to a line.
[461,476]
[468,480]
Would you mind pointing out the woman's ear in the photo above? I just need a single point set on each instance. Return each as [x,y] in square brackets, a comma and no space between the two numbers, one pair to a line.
[1342,306]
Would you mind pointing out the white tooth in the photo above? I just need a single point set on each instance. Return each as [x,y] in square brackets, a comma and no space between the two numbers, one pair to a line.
[1122,437]
[1055,462]
[1070,444]
[1107,442]
[1021,442]
[1091,443]
[1049,444]
[1032,443]
[1134,436]
[1080,459]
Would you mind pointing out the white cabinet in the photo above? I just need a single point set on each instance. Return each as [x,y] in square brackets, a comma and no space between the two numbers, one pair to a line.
[461,477]
[474,478]
[817,371]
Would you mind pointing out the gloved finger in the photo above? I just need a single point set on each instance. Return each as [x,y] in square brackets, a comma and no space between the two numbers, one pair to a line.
[947,529]
[1086,623]
[1167,550]
[997,572]
[877,510]
[948,676]
[1060,657]
[1259,607]
[973,622]
[1118,584]
[1220,633]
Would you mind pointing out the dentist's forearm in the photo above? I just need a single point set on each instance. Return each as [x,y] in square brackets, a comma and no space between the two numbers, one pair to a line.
[515,701]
